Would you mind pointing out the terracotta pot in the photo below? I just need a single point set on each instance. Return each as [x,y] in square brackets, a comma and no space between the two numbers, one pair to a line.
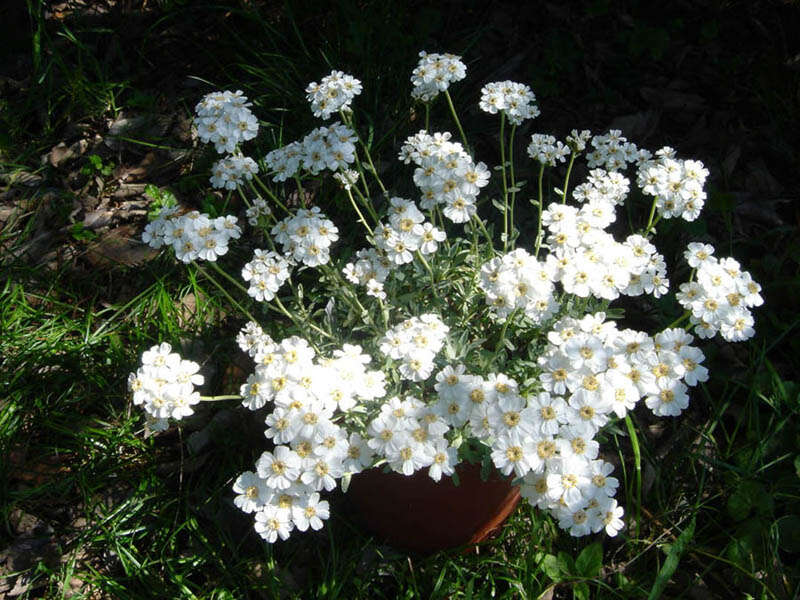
[416,513]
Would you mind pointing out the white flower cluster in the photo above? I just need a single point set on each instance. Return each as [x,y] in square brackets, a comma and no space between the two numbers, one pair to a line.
[193,235]
[330,147]
[312,451]
[334,93]
[720,296]
[540,439]
[515,100]
[370,269]
[266,273]
[415,343]
[232,171]
[347,178]
[612,151]
[599,369]
[224,119]
[517,281]
[588,260]
[601,186]
[446,175]
[547,150]
[306,236]
[164,385]
[434,73]
[406,233]
[577,140]
[677,185]
[411,436]
[258,209]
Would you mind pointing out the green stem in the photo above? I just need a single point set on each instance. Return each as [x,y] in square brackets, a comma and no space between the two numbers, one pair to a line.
[220,398]
[427,116]
[308,323]
[637,465]
[301,195]
[225,293]
[269,193]
[243,196]
[228,276]
[483,229]
[358,211]
[455,117]
[513,181]
[505,183]
[650,218]
[541,204]
[349,122]
[566,179]
[367,204]
[430,271]
[683,317]
[501,339]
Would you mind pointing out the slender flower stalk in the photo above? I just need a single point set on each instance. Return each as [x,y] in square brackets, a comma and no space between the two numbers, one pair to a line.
[539,232]
[349,122]
[637,466]
[224,292]
[455,118]
[505,184]
[269,193]
[566,178]
[358,211]
[512,176]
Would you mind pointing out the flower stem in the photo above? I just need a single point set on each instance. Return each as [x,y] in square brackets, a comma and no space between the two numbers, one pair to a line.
[505,182]
[683,317]
[225,293]
[269,193]
[513,182]
[637,465]
[455,117]
[541,204]
[220,398]
[307,323]
[358,211]
[428,267]
[650,222]
[566,178]
[367,204]
[349,122]
[483,229]
[301,194]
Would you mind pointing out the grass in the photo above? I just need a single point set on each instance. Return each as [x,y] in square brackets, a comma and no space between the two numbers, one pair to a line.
[92,507]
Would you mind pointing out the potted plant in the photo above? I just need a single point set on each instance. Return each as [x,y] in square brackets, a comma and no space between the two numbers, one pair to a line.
[452,335]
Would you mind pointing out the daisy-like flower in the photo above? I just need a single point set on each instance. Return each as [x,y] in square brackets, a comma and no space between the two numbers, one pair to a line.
[513,453]
[610,516]
[310,511]
[253,492]
[273,522]
[280,469]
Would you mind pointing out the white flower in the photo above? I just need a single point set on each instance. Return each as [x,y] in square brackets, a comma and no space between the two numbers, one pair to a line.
[253,492]
[309,511]
[273,522]
[335,92]
[280,469]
